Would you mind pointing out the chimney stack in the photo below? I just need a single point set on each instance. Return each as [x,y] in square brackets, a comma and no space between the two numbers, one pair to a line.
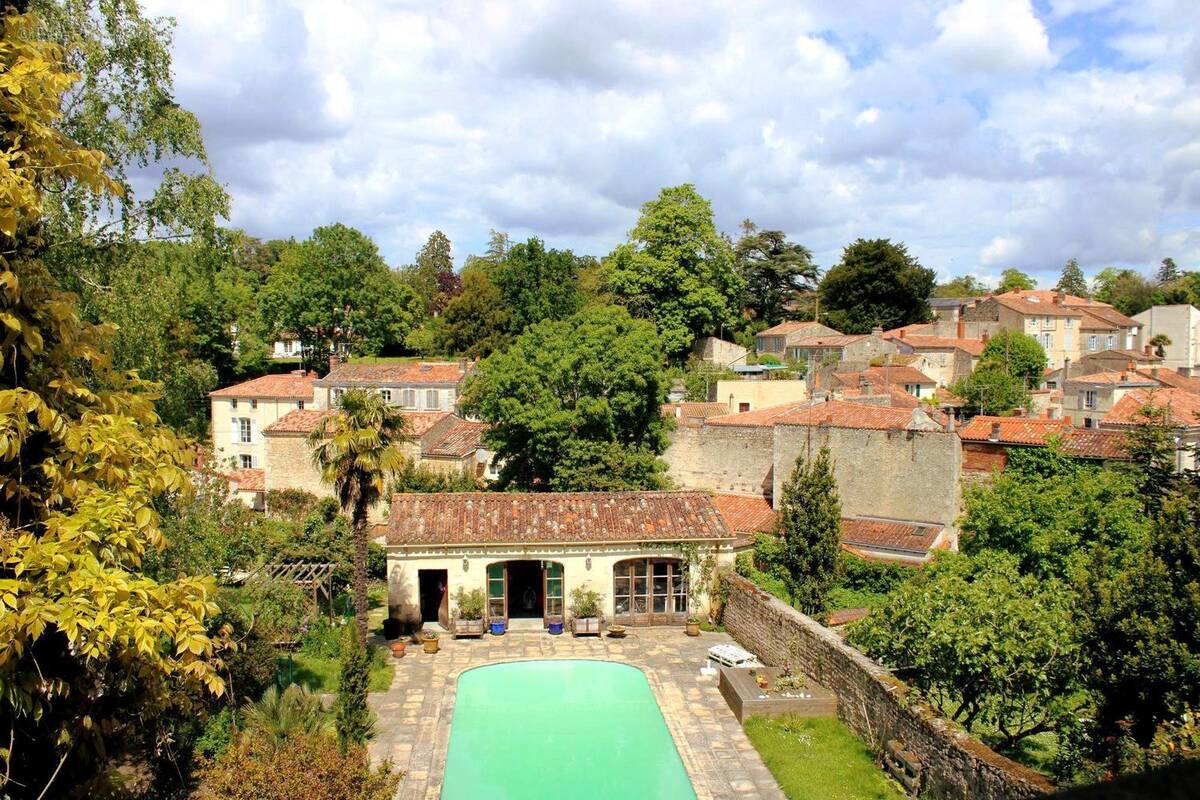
[1018,412]
[994,436]
[960,330]
[1060,298]
[902,332]
[1148,350]
[334,361]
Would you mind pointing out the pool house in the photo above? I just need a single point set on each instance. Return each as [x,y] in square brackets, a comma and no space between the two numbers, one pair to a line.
[643,552]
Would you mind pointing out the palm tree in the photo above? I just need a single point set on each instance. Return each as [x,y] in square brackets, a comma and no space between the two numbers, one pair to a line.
[280,715]
[1160,344]
[358,451]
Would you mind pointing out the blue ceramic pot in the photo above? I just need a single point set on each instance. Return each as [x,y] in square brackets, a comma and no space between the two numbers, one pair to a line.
[497,627]
[556,627]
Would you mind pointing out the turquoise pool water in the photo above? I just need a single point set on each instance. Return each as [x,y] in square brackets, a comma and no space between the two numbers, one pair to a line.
[560,729]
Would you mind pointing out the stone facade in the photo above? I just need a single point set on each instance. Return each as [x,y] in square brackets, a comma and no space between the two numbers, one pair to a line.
[925,466]
[726,458]
[1180,324]
[872,702]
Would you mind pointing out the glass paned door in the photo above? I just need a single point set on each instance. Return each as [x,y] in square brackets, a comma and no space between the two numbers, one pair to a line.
[497,591]
[650,591]
[552,575]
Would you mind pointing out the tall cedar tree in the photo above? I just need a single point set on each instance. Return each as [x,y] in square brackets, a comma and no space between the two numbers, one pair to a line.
[774,269]
[810,522]
[433,268]
[352,716]
[357,451]
[877,282]
[1072,281]
[1168,271]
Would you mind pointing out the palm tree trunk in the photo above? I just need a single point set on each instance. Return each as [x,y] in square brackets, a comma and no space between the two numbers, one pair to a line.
[360,569]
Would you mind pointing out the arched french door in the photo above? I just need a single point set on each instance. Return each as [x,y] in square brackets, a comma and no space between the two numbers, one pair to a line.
[650,591]
[524,588]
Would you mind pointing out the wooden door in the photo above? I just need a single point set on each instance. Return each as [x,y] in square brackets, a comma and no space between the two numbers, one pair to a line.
[497,591]
[552,590]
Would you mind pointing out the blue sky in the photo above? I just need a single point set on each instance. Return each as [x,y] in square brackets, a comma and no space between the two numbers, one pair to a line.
[983,133]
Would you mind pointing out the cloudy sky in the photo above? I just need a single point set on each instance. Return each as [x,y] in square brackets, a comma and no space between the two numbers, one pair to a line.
[984,133]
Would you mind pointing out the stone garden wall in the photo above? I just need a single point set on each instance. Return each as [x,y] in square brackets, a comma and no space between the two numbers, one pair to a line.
[873,703]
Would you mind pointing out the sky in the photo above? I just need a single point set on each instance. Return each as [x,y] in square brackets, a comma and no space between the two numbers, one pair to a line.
[982,133]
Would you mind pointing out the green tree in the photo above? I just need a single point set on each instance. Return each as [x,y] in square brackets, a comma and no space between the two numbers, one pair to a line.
[352,716]
[1168,272]
[677,270]
[358,452]
[536,284]
[334,288]
[92,651]
[1012,279]
[774,269]
[986,644]
[990,389]
[569,396]
[280,715]
[1072,281]
[877,283]
[476,322]
[1018,354]
[1160,342]
[962,286]
[1125,290]
[810,524]
[427,274]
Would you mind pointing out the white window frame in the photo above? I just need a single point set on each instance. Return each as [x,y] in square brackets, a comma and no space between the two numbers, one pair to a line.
[245,431]
[1089,398]
[386,394]
[433,399]
[408,398]
[1093,342]
[1110,341]
[246,460]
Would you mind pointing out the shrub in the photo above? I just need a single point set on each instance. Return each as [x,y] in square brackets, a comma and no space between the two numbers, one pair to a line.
[276,608]
[470,604]
[322,639]
[292,505]
[861,575]
[585,603]
[376,562]
[216,734]
[352,716]
[419,479]
[279,716]
[308,765]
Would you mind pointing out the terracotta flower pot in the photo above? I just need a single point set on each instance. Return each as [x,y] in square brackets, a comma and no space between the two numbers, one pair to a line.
[398,649]
[692,628]
[430,645]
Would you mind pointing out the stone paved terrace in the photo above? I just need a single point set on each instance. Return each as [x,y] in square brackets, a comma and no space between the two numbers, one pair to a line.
[415,713]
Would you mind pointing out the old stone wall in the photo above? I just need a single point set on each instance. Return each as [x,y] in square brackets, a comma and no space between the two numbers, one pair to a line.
[873,703]
[721,458]
[908,475]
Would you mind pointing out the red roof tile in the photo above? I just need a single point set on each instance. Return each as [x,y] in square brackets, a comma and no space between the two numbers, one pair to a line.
[972,346]
[1014,430]
[442,372]
[845,616]
[841,340]
[248,480]
[746,513]
[548,517]
[1171,378]
[790,327]
[271,387]
[895,375]
[1105,317]
[461,439]
[1183,407]
[693,413]
[305,421]
[889,534]
[837,413]
[907,330]
[1095,443]
[1035,308]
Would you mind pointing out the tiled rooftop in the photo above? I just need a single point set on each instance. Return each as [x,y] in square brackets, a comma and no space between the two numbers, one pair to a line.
[544,517]
[836,413]
[790,327]
[841,340]
[1095,443]
[1171,378]
[917,342]
[1183,407]
[305,421]
[271,387]
[461,439]
[895,375]
[248,480]
[1013,430]
[439,372]
[692,414]
[906,537]
[746,513]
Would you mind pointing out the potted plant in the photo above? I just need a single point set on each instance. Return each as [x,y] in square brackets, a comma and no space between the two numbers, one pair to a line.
[692,625]
[468,619]
[496,625]
[391,628]
[398,648]
[616,631]
[429,640]
[554,624]
[585,612]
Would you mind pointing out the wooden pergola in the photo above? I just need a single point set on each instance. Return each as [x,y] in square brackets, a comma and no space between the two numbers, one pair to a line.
[316,576]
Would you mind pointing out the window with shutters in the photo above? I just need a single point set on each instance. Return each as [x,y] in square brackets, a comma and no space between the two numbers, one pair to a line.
[1110,342]
[408,398]
[247,461]
[253,404]
[244,430]
[1093,342]
[1089,399]
[300,404]
[233,403]
[432,401]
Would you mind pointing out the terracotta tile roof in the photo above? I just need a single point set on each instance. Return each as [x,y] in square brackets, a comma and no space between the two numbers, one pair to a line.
[889,534]
[1132,355]
[972,346]
[550,517]
[1049,296]
[440,372]
[907,330]
[693,412]
[1095,443]
[1183,407]
[271,387]
[946,397]
[305,421]
[461,439]
[1171,378]
[897,397]
[790,327]
[841,340]
[1105,317]
[894,375]
[836,413]
[1013,430]
[1035,308]
[248,480]
[1114,377]
[745,513]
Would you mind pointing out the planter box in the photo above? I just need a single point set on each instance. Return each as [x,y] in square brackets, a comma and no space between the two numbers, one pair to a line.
[585,626]
[747,699]
[468,627]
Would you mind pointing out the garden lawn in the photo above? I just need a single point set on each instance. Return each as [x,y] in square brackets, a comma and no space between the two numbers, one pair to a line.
[320,674]
[818,757]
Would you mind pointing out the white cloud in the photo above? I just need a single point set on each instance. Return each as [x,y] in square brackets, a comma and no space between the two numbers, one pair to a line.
[993,36]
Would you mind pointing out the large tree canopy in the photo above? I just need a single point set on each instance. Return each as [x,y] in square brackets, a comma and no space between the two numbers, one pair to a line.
[574,404]
[774,269]
[536,284]
[1017,354]
[677,270]
[1072,281]
[1124,289]
[1012,279]
[334,288]
[877,282]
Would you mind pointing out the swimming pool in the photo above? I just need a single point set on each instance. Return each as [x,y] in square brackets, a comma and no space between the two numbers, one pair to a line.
[570,729]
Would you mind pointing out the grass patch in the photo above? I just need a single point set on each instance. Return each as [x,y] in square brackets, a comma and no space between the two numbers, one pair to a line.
[818,757]
[320,674]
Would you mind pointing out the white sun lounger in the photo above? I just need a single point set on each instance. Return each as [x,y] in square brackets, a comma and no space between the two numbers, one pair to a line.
[730,655]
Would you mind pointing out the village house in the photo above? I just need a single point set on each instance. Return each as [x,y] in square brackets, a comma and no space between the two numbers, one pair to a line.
[776,340]
[643,552]
[413,386]
[881,380]
[1180,324]
[692,415]
[829,349]
[1088,399]
[240,413]
[249,487]
[945,359]
[988,440]
[739,396]
[718,352]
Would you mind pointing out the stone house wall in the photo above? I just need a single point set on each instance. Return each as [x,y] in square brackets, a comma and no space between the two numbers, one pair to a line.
[872,702]
[721,458]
